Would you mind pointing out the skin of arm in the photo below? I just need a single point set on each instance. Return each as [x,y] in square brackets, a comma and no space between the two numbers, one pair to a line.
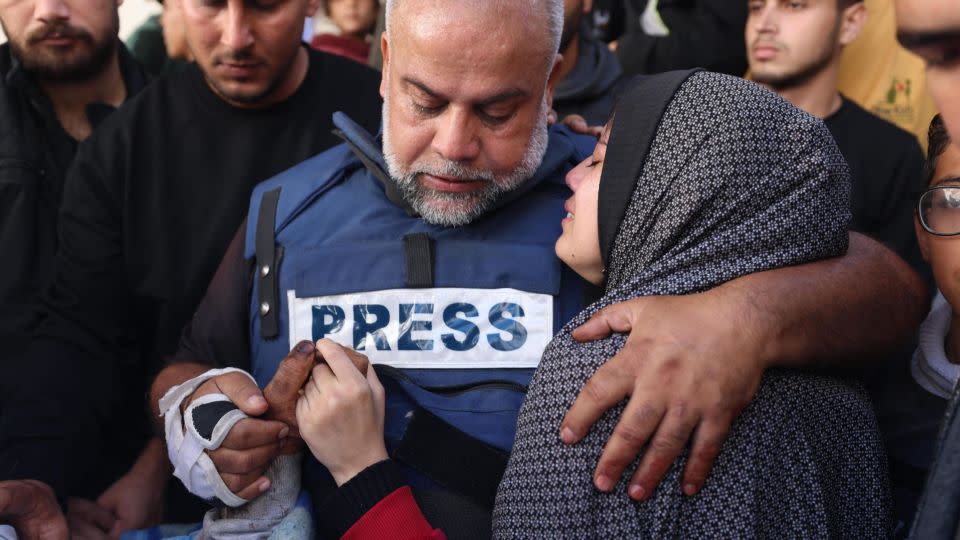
[691,363]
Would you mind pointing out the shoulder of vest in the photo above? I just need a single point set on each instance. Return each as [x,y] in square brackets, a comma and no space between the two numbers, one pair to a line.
[564,150]
[298,186]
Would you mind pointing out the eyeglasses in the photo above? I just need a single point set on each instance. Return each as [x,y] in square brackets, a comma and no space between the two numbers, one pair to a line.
[939,210]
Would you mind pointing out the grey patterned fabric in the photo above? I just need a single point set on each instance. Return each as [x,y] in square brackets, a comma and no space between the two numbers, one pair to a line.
[735,181]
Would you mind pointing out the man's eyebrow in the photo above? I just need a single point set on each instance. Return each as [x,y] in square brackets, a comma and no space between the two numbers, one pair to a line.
[502,96]
[423,88]
[947,180]
[911,39]
[506,95]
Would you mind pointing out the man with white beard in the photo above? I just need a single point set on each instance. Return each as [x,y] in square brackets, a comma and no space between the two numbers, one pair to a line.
[457,316]
[435,258]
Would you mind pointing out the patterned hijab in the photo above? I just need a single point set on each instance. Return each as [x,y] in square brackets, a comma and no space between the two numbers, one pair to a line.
[728,179]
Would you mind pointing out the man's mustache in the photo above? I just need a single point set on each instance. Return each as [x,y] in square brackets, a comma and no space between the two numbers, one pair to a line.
[235,57]
[58,30]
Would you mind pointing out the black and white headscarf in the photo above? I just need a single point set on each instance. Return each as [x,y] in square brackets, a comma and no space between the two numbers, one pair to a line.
[728,180]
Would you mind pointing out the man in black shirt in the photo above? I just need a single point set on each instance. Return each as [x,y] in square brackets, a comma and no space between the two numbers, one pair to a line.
[62,70]
[150,205]
[796,52]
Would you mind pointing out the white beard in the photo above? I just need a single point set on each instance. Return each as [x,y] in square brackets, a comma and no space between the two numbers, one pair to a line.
[456,209]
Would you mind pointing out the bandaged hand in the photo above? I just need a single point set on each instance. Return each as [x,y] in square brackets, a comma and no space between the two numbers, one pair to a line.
[689,367]
[340,413]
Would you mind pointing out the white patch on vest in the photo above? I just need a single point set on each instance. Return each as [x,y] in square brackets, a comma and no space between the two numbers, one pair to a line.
[431,328]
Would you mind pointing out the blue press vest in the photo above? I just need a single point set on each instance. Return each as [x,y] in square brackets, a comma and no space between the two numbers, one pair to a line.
[337,233]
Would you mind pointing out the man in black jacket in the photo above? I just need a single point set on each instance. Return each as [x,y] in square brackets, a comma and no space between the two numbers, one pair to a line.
[590,73]
[62,70]
[149,207]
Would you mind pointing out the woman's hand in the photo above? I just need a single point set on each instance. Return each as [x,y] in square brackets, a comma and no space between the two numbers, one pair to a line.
[340,414]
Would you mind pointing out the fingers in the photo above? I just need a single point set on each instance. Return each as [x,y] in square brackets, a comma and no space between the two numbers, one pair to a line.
[340,364]
[376,387]
[615,318]
[663,450]
[245,461]
[707,443]
[638,422]
[90,515]
[31,507]
[81,530]
[283,390]
[246,486]
[251,433]
[243,392]
[603,390]
[18,497]
[360,361]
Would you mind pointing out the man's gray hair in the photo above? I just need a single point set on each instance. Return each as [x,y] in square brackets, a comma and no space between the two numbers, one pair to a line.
[554,10]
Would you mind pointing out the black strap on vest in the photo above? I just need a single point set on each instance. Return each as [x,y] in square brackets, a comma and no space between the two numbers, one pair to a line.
[418,252]
[452,458]
[389,186]
[268,258]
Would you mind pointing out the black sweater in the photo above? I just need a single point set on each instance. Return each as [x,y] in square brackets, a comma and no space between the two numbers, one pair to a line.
[150,206]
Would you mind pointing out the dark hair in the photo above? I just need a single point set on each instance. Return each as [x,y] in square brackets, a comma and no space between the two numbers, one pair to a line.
[937,141]
[844,4]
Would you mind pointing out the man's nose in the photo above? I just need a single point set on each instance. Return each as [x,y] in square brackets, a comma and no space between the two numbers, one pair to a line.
[766,20]
[51,10]
[456,139]
[236,33]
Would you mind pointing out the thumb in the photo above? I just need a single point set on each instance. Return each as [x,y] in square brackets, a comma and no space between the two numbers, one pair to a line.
[608,320]
[291,375]
[108,501]
[243,392]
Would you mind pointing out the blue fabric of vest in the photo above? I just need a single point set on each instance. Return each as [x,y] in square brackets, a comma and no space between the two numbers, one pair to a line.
[340,234]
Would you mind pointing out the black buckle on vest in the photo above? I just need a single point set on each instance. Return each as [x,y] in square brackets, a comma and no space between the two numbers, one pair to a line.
[268,259]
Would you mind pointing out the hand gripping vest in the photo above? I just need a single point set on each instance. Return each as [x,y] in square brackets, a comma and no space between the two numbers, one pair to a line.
[456,319]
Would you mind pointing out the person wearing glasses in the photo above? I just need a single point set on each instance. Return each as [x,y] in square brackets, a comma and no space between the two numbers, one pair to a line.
[913,409]
[935,365]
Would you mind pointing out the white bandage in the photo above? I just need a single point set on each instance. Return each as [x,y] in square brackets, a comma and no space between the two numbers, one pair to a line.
[186,444]
[7,533]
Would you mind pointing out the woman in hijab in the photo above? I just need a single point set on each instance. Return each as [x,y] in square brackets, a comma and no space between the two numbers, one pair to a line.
[704,178]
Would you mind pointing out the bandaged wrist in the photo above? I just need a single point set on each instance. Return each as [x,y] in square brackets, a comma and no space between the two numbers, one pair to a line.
[202,426]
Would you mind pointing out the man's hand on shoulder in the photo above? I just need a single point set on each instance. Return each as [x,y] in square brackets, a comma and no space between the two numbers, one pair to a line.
[688,370]
[31,507]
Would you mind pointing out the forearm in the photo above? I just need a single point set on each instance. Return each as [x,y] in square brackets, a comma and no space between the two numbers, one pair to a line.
[832,312]
[171,376]
[153,462]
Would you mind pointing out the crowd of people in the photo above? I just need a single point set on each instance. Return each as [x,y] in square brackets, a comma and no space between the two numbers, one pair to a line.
[452,269]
